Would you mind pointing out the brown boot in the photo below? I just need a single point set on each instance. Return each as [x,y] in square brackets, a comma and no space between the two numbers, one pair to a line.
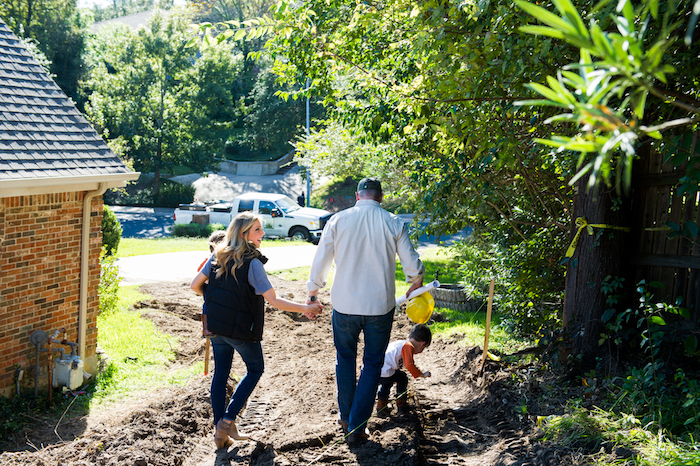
[402,406]
[226,431]
[221,438]
[383,408]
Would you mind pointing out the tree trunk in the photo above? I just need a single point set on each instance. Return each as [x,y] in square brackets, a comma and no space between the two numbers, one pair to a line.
[156,182]
[596,256]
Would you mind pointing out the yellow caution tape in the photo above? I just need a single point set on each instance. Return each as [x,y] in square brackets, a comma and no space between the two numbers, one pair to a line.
[582,223]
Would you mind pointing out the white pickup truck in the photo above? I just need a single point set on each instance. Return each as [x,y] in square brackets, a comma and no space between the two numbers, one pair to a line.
[281,215]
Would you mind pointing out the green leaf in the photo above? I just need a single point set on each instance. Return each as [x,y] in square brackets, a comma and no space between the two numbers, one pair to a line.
[542,31]
[657,320]
[691,344]
[641,103]
[240,34]
[546,17]
[607,315]
[568,10]
[548,93]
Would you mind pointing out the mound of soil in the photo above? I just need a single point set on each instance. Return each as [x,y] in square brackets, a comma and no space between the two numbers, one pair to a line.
[459,416]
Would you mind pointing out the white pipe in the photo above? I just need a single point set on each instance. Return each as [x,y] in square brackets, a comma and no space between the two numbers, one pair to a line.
[417,292]
[85,265]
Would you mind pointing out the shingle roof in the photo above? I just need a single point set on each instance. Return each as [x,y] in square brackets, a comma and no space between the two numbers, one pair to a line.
[42,133]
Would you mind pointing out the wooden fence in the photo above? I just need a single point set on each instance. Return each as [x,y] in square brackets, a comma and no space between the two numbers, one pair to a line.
[656,200]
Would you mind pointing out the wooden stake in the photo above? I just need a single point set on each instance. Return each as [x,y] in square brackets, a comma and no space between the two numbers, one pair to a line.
[206,355]
[488,324]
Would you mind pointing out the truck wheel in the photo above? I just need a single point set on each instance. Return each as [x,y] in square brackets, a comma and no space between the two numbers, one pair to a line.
[300,233]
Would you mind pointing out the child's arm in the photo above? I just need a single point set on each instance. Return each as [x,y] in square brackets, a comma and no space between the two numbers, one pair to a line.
[407,356]
[314,308]
[197,284]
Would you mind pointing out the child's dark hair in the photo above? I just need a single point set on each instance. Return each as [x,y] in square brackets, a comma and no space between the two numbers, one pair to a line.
[421,332]
[215,238]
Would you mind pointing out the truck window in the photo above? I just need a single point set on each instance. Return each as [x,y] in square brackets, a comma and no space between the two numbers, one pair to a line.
[265,207]
[245,205]
[287,205]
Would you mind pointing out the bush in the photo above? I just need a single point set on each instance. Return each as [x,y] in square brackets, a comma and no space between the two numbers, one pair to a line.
[111,231]
[173,194]
[109,281]
[195,230]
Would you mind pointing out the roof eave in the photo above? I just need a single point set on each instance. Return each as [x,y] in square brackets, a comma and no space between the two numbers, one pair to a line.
[31,186]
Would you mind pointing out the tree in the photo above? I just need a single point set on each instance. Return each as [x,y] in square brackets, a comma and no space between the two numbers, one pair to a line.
[59,31]
[146,90]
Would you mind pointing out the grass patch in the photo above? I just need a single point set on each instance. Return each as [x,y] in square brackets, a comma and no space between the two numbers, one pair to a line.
[470,327]
[129,247]
[138,353]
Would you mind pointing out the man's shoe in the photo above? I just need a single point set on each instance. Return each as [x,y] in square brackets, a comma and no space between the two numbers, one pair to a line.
[402,406]
[359,436]
[344,426]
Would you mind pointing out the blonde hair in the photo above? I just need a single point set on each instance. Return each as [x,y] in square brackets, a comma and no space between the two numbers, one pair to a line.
[236,246]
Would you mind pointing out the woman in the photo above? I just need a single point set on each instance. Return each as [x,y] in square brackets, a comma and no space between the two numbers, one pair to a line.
[235,293]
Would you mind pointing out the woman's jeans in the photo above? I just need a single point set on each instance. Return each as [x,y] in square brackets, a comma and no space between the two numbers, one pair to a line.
[252,355]
[356,397]
[385,383]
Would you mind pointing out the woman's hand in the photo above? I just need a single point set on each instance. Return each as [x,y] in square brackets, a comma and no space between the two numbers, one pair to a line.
[314,309]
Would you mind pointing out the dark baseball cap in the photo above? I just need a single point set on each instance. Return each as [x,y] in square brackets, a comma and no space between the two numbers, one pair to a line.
[369,183]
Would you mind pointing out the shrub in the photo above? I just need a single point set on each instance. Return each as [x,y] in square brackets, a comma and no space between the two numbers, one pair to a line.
[111,231]
[109,281]
[173,194]
[194,230]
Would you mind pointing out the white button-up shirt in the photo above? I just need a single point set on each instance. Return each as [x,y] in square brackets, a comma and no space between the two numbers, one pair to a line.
[364,241]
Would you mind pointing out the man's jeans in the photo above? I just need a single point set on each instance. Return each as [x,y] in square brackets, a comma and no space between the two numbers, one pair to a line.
[400,379]
[252,355]
[356,397]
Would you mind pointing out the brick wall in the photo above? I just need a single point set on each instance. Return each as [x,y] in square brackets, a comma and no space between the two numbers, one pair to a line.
[40,239]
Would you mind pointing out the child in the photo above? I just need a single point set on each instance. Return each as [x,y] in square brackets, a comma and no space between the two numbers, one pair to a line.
[215,238]
[398,353]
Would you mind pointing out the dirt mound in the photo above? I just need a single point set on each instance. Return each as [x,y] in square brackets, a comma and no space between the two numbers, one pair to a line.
[459,416]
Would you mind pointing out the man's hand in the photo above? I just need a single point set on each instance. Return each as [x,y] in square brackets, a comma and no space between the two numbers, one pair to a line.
[314,308]
[414,287]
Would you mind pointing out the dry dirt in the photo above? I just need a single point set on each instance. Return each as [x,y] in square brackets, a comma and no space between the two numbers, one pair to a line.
[460,416]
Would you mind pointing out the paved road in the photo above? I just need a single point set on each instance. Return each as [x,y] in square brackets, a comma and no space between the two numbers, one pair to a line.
[144,222]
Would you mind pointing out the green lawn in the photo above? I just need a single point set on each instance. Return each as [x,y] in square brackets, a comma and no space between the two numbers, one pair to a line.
[142,246]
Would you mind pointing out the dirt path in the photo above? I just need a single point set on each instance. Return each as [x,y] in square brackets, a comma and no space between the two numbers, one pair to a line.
[458,417]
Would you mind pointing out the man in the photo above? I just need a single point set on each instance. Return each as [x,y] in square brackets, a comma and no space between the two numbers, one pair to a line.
[363,241]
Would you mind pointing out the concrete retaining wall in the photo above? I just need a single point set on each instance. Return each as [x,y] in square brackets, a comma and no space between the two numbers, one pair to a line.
[255,168]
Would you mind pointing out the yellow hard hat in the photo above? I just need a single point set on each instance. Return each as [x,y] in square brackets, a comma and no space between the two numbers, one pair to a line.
[420,308]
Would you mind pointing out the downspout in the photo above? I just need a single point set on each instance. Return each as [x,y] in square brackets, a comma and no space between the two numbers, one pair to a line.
[85,265]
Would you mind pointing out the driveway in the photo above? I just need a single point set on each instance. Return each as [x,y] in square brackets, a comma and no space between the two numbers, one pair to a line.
[226,186]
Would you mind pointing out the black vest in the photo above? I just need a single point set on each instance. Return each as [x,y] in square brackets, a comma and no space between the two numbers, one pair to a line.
[233,309]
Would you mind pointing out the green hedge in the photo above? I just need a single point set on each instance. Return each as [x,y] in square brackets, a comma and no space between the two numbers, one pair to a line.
[195,230]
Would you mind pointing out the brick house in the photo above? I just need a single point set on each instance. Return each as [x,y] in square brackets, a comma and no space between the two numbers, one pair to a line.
[54,168]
